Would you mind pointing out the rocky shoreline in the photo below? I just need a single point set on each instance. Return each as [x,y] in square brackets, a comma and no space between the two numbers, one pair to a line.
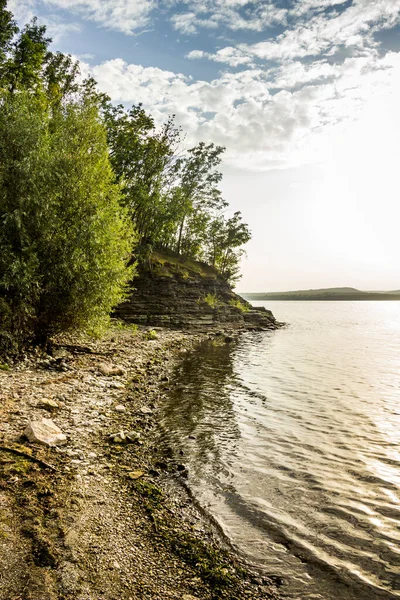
[103,516]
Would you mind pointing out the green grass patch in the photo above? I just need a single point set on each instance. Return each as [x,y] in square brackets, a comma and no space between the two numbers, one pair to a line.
[151,335]
[211,300]
[236,303]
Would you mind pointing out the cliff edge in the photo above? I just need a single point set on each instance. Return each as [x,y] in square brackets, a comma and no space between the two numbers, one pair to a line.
[172,291]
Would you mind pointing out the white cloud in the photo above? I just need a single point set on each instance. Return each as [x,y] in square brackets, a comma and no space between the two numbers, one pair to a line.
[320,33]
[233,57]
[127,16]
[24,11]
[261,128]
[254,16]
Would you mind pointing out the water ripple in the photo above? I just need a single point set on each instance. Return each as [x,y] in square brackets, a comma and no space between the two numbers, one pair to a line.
[295,446]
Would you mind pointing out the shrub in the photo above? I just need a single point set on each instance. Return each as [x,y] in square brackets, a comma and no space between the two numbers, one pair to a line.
[64,238]
[236,303]
[151,334]
[211,300]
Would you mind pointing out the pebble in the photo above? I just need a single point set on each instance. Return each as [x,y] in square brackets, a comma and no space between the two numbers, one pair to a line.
[45,432]
[47,404]
[135,474]
[118,438]
[120,408]
[110,370]
[116,385]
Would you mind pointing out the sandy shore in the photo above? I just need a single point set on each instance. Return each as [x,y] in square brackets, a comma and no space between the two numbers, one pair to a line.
[103,516]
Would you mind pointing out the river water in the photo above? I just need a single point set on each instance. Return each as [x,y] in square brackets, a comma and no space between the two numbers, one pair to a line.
[292,442]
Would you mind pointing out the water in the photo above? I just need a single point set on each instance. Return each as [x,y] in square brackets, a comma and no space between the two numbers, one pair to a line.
[292,440]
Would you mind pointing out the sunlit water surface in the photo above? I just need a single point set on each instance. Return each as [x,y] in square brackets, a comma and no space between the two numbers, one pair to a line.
[292,441]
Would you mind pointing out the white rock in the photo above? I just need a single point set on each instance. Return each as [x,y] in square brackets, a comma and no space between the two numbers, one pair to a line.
[110,370]
[120,408]
[48,404]
[45,432]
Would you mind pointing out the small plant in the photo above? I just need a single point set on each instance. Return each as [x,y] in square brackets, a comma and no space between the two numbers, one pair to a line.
[4,367]
[151,334]
[119,325]
[236,303]
[211,300]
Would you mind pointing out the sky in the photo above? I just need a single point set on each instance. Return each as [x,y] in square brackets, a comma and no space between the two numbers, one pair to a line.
[305,97]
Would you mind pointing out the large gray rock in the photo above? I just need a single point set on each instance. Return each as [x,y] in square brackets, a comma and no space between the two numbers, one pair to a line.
[45,432]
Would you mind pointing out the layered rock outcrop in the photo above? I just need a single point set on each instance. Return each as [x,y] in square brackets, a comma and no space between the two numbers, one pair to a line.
[174,292]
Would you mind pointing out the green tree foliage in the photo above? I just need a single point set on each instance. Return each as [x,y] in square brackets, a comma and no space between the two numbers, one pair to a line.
[225,240]
[59,77]
[28,52]
[8,29]
[77,177]
[198,180]
[172,197]
[142,159]
[64,237]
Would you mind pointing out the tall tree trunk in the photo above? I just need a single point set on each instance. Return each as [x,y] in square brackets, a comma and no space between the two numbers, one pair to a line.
[178,248]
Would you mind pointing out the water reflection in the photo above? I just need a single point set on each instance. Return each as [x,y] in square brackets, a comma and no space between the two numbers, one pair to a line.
[292,439]
[199,414]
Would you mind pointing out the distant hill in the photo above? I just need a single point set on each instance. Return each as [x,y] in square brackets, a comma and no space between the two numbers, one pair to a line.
[340,293]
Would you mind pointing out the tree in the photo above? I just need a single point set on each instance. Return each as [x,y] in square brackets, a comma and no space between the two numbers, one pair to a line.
[8,29]
[23,67]
[142,158]
[65,239]
[60,76]
[198,184]
[225,239]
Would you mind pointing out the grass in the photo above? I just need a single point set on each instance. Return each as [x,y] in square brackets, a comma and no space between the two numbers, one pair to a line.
[211,300]
[236,303]
[211,563]
[119,325]
[151,334]
[168,264]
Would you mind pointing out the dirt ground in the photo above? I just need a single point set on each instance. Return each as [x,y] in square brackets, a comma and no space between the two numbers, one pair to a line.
[95,518]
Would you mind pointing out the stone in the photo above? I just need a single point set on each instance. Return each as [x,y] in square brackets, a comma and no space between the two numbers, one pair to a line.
[116,385]
[47,404]
[120,408]
[110,370]
[118,438]
[145,410]
[133,436]
[45,432]
[135,474]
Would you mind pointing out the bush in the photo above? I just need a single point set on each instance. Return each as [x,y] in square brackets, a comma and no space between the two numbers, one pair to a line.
[151,334]
[236,303]
[64,238]
[211,300]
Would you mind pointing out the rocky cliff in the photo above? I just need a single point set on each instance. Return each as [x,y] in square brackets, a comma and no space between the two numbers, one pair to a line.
[175,292]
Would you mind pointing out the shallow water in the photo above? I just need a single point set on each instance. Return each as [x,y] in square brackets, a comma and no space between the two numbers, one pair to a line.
[292,442]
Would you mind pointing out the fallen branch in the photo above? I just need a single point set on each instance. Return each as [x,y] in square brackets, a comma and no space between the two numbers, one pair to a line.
[38,461]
